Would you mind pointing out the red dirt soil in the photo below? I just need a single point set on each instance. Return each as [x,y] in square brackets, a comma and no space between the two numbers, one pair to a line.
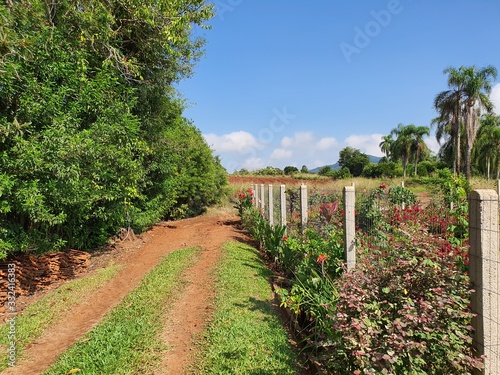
[276,180]
[192,308]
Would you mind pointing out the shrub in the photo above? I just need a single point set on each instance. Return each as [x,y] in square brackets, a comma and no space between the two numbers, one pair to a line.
[244,201]
[404,311]
[341,174]
[399,195]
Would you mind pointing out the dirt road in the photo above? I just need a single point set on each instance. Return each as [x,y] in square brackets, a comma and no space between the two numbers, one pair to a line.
[192,308]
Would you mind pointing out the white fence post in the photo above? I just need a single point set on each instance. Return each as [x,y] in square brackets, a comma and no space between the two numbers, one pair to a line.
[271,205]
[349,227]
[257,195]
[254,198]
[283,205]
[262,196]
[403,204]
[303,206]
[484,273]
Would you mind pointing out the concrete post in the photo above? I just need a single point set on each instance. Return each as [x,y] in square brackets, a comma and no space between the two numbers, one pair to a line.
[256,195]
[271,205]
[484,274]
[262,198]
[303,206]
[283,205]
[403,204]
[349,227]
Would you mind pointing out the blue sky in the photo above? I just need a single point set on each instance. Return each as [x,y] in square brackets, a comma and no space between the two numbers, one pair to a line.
[292,82]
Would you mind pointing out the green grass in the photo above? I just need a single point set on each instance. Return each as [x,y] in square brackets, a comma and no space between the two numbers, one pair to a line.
[245,336]
[128,340]
[40,315]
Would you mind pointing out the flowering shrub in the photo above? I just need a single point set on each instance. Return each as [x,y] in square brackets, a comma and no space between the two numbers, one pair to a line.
[244,200]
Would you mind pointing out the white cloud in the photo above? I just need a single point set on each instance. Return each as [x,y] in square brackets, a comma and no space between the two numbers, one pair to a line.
[280,154]
[307,141]
[254,163]
[366,143]
[299,139]
[495,97]
[432,143]
[233,142]
[326,143]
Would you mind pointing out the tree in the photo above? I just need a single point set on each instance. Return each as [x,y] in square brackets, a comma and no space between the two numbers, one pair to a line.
[354,160]
[401,147]
[304,169]
[487,146]
[408,143]
[476,88]
[418,143]
[288,170]
[92,136]
[386,145]
[449,122]
[466,99]
[325,171]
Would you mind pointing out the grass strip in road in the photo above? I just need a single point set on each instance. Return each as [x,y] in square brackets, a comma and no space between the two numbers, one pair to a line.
[245,336]
[128,340]
[37,317]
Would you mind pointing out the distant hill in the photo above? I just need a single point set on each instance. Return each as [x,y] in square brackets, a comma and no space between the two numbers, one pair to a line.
[336,167]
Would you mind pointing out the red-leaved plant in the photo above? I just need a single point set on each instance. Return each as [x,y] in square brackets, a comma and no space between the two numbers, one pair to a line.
[404,310]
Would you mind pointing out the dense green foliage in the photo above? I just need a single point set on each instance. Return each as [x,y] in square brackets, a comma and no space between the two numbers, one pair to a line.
[92,136]
[354,160]
[289,169]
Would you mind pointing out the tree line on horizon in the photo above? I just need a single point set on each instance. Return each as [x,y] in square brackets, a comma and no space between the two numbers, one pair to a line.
[92,132]
[467,130]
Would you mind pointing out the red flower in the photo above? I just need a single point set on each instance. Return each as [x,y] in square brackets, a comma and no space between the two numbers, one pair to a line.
[285,238]
[383,186]
[321,258]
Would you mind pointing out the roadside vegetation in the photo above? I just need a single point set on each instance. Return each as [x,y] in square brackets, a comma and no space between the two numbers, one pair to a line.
[92,133]
[405,308]
[245,335]
[128,340]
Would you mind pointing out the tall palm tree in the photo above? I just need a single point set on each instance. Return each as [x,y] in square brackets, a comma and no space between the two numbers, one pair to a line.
[409,142]
[401,147]
[417,133]
[386,145]
[477,86]
[449,122]
[469,89]
[487,145]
